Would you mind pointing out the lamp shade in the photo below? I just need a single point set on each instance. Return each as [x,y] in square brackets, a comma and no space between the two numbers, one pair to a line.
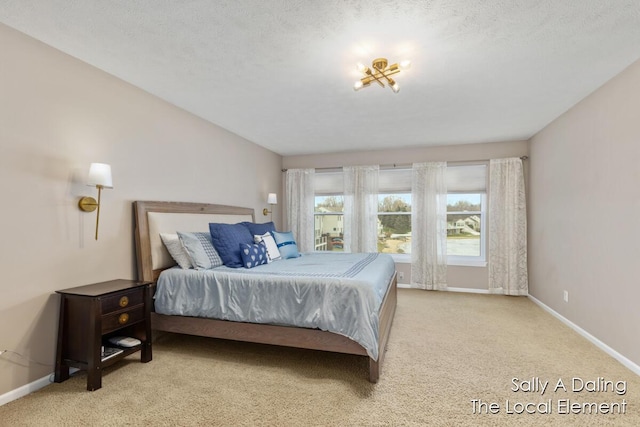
[100,174]
[272,199]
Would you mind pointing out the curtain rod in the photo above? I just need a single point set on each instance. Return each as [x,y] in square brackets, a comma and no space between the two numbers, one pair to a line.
[404,165]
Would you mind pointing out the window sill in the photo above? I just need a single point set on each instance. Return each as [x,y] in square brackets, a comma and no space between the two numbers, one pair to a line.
[401,258]
[406,259]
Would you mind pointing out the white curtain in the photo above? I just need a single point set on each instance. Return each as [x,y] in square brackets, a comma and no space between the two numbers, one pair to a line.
[429,225]
[507,228]
[299,184]
[361,208]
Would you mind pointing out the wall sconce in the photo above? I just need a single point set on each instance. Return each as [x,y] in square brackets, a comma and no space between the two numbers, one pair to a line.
[272,199]
[100,176]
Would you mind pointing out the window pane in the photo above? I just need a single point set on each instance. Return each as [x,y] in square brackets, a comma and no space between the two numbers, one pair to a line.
[328,232]
[397,202]
[464,227]
[324,204]
[462,240]
[464,202]
[394,223]
[394,233]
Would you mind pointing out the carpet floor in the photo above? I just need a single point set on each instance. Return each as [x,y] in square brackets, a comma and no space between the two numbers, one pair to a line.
[446,351]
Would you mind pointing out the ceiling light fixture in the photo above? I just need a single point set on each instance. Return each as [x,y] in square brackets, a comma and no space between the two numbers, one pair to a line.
[380,73]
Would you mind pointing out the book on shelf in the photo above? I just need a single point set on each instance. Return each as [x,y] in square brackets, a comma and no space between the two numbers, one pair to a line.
[109,352]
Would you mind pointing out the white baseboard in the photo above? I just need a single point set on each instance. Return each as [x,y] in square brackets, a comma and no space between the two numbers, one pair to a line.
[25,389]
[30,388]
[602,346]
[468,290]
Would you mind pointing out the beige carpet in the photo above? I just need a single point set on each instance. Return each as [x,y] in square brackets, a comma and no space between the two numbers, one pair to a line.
[445,350]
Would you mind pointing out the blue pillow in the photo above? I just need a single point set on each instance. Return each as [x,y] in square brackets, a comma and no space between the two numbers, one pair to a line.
[253,255]
[259,229]
[226,239]
[286,244]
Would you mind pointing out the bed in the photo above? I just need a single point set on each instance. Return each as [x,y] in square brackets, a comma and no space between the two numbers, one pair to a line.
[153,218]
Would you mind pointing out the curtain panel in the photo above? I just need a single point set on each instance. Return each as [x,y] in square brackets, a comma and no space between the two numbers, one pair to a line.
[299,184]
[361,208]
[507,228]
[429,226]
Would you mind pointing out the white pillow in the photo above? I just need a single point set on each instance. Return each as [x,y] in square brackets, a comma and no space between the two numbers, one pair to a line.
[270,243]
[177,251]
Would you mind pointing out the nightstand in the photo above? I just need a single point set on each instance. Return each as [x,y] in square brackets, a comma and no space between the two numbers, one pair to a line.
[90,314]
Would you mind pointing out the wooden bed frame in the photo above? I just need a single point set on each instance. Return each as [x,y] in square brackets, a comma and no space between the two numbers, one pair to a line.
[314,339]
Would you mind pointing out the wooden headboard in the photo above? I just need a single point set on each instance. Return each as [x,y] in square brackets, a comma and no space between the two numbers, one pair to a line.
[153,218]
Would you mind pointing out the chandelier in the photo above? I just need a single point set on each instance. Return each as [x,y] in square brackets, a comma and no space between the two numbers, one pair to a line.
[380,73]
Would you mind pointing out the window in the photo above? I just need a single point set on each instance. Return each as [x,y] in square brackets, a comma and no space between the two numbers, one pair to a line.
[394,211]
[465,226]
[329,211]
[466,201]
[394,223]
[328,223]
[466,217]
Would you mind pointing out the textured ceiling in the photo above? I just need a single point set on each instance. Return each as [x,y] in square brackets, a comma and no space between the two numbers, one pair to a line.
[280,72]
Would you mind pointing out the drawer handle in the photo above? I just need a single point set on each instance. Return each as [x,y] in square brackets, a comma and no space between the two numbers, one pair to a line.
[124,318]
[124,301]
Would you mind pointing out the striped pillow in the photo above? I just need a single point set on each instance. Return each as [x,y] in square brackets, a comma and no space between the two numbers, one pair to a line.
[199,247]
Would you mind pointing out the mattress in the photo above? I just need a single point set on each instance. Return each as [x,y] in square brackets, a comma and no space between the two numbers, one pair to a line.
[335,292]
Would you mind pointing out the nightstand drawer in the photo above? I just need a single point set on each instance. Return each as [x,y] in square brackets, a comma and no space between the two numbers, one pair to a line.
[122,300]
[113,321]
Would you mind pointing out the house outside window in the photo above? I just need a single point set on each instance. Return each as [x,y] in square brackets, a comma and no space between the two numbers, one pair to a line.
[465,225]
[329,222]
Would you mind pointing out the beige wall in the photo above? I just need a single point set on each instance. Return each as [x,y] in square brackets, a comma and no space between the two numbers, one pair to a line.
[584,204]
[57,115]
[457,276]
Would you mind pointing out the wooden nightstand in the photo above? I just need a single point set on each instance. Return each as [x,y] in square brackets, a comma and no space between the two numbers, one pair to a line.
[90,314]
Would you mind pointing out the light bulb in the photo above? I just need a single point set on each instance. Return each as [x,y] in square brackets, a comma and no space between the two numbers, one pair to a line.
[405,65]
[395,87]
[357,85]
[361,67]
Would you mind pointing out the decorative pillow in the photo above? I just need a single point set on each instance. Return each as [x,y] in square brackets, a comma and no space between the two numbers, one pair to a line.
[253,255]
[227,238]
[270,243]
[200,249]
[260,229]
[286,244]
[177,252]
